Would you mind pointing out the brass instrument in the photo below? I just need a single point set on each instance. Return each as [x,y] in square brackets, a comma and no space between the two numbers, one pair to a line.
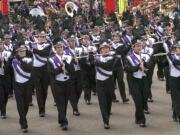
[70,7]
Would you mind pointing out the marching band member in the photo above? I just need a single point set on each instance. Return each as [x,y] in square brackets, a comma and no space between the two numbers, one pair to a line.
[22,67]
[136,67]
[62,68]
[168,42]
[159,48]
[41,51]
[87,70]
[148,49]
[4,79]
[8,46]
[118,71]
[76,92]
[174,64]
[126,38]
[104,82]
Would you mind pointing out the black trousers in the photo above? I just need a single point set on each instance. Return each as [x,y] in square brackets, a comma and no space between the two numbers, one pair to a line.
[3,94]
[166,73]
[160,71]
[129,81]
[119,75]
[139,95]
[105,93]
[175,91]
[23,95]
[10,77]
[52,79]
[88,81]
[62,91]
[76,90]
[149,74]
[41,81]
[31,87]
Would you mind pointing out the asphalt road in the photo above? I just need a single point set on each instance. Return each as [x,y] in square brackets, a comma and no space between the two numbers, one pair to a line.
[159,122]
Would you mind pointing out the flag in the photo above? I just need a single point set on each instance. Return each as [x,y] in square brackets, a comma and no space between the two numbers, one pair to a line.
[110,6]
[122,4]
[4,7]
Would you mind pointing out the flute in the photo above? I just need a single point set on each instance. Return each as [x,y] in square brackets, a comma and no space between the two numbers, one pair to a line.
[86,56]
[164,54]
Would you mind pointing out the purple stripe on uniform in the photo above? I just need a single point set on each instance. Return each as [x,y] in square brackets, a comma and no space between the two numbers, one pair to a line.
[103,73]
[15,65]
[42,61]
[174,58]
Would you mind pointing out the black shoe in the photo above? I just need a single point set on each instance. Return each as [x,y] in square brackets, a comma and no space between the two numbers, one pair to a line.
[76,113]
[150,100]
[179,120]
[168,92]
[42,115]
[161,79]
[3,117]
[31,104]
[88,102]
[137,122]
[146,112]
[142,124]
[64,127]
[106,126]
[10,96]
[24,130]
[126,100]
[175,119]
[115,100]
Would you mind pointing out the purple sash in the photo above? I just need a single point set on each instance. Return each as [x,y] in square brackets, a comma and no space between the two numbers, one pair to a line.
[69,52]
[56,60]
[125,38]
[135,60]
[42,61]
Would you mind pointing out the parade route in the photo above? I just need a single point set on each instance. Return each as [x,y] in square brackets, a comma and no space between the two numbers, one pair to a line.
[159,122]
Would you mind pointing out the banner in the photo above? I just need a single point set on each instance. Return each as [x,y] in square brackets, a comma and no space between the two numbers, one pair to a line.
[110,6]
[122,5]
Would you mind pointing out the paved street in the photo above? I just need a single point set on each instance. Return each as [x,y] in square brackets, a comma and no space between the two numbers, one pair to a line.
[159,122]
